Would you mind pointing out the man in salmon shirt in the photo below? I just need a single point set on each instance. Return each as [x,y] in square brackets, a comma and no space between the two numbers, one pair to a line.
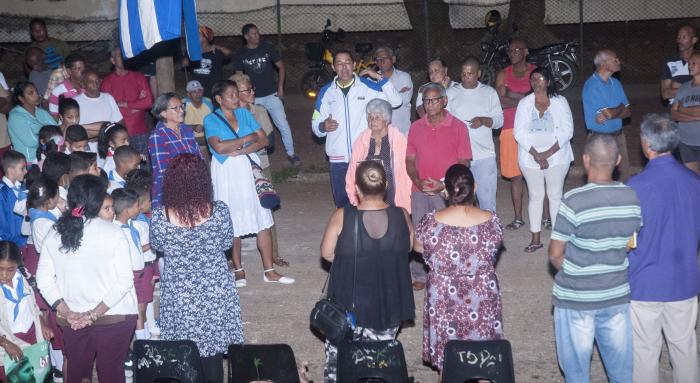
[133,96]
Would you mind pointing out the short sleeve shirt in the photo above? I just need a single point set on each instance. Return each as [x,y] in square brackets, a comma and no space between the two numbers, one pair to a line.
[450,136]
[55,51]
[215,127]
[209,70]
[689,96]
[599,94]
[259,65]
[676,69]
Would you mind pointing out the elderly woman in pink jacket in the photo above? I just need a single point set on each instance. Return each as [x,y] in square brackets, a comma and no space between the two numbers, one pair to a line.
[384,143]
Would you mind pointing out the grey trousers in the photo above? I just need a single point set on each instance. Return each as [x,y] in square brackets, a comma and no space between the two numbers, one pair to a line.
[421,204]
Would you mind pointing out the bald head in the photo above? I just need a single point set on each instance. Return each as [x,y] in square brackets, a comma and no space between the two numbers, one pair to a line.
[34,57]
[601,150]
[689,29]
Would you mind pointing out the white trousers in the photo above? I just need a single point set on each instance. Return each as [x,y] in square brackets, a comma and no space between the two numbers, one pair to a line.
[538,180]
[677,322]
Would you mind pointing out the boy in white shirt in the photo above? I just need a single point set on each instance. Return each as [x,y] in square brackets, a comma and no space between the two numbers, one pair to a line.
[126,208]
[126,159]
[141,181]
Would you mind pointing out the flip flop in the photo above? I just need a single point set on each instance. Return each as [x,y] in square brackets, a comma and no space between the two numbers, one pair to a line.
[515,225]
[531,248]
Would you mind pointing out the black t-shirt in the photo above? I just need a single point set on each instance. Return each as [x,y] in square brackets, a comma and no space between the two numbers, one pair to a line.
[676,69]
[259,65]
[208,70]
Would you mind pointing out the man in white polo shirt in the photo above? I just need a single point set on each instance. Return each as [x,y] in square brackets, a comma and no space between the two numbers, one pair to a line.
[479,107]
[96,106]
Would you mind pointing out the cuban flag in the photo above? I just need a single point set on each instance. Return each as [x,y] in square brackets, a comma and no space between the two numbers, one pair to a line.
[143,23]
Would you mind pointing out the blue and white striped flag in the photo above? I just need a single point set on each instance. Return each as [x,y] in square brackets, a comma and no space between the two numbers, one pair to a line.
[143,23]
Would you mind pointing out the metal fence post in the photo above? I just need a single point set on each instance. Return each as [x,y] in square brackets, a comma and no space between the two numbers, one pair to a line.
[580,37]
[279,26]
[426,12]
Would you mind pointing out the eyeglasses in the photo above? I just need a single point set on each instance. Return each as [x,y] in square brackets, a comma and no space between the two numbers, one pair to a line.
[516,50]
[431,101]
[181,107]
[251,90]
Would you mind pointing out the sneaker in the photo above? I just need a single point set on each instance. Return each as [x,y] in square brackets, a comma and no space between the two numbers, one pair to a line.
[129,366]
[57,375]
[294,160]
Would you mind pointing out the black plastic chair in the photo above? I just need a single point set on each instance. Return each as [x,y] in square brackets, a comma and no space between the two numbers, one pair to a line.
[275,362]
[361,361]
[466,360]
[156,360]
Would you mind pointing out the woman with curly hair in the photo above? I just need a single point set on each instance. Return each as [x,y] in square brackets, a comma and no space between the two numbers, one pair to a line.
[198,298]
[234,137]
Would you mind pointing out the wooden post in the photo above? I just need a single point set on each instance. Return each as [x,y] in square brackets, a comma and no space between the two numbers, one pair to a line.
[165,75]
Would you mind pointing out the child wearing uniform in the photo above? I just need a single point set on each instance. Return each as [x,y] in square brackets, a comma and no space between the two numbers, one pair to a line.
[140,181]
[42,200]
[83,163]
[57,169]
[126,159]
[76,140]
[12,197]
[111,137]
[21,323]
[107,209]
[126,209]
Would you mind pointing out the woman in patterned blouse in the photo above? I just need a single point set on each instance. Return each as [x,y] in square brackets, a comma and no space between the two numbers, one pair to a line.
[170,138]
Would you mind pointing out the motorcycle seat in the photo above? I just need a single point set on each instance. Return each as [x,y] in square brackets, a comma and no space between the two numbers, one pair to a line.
[363,48]
[551,48]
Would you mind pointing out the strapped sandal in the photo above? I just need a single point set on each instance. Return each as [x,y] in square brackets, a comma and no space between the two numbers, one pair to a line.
[531,248]
[242,282]
[547,223]
[515,225]
[283,280]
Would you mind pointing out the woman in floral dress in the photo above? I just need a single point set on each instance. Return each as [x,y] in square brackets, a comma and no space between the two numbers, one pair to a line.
[460,244]
[198,300]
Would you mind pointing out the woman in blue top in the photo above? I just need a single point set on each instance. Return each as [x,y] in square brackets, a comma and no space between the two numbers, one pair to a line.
[26,119]
[233,178]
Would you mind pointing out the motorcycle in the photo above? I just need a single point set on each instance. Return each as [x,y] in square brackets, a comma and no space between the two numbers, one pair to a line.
[559,58]
[319,54]
[321,72]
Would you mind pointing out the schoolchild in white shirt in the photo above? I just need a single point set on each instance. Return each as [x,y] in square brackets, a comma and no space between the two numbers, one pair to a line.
[21,322]
[126,209]
[141,181]
[111,137]
[126,159]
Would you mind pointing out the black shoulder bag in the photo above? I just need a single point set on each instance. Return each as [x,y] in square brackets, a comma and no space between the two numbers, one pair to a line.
[263,186]
[328,317]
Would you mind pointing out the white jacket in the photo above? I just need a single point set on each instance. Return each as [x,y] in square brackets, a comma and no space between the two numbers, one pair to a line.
[349,111]
[563,131]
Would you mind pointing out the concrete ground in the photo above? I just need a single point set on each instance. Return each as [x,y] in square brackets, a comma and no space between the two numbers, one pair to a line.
[280,314]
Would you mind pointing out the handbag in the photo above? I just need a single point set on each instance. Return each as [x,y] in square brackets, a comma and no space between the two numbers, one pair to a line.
[330,318]
[263,186]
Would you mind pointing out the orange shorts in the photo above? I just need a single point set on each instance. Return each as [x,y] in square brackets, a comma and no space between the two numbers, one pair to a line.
[509,154]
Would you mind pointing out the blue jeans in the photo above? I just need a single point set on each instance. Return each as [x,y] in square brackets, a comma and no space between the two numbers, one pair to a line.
[338,171]
[610,327]
[486,178]
[275,107]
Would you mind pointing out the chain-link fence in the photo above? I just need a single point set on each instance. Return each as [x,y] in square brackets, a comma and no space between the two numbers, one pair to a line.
[416,29]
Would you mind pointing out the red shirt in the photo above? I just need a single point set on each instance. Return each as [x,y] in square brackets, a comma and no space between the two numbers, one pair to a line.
[133,89]
[436,148]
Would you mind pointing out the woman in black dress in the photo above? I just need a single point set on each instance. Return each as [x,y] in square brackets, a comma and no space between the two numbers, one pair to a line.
[378,289]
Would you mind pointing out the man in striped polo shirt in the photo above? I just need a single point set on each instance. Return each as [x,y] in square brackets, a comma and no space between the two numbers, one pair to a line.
[588,246]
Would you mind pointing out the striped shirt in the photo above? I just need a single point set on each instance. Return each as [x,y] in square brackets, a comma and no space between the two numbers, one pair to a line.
[596,221]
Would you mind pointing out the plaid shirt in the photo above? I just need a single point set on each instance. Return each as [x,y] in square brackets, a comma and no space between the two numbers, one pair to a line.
[164,145]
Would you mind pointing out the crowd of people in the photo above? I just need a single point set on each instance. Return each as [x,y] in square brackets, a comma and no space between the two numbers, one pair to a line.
[132,187]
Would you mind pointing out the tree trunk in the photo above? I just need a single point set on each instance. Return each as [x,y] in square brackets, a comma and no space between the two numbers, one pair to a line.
[430,20]
[165,74]
[526,20]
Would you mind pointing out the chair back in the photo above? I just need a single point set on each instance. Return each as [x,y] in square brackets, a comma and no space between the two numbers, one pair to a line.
[249,362]
[371,361]
[156,360]
[465,360]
